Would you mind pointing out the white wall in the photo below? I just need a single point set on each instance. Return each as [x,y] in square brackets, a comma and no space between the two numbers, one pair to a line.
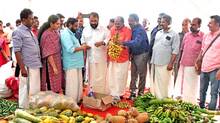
[178,9]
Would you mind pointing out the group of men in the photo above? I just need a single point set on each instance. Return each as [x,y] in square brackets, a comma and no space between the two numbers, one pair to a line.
[165,53]
[189,54]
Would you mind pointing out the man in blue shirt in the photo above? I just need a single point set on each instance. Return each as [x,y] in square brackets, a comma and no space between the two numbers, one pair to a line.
[153,34]
[138,47]
[72,56]
[28,57]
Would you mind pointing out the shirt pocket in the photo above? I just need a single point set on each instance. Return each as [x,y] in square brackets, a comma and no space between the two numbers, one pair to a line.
[167,40]
[197,45]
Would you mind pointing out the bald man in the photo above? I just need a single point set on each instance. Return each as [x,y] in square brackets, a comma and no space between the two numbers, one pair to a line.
[118,68]
[185,29]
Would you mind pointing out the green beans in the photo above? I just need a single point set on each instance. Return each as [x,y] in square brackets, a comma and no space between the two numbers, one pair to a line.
[7,107]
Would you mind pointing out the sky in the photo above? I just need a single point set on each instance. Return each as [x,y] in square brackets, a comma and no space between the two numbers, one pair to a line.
[177,9]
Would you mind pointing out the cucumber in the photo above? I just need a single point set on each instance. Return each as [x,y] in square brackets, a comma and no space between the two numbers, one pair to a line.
[21,120]
[22,114]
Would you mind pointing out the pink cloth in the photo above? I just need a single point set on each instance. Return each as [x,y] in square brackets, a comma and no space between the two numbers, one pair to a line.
[50,46]
[191,48]
[211,59]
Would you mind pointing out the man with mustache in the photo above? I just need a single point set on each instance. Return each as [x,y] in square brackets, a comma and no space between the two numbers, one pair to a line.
[210,63]
[118,67]
[165,49]
[27,52]
[72,56]
[139,47]
[191,47]
[96,37]
[185,29]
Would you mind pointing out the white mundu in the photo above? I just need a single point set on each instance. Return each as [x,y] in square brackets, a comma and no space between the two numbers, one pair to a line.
[74,86]
[117,75]
[28,86]
[161,81]
[96,57]
[188,86]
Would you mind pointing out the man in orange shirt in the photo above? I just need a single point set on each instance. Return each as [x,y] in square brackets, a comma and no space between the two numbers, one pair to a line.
[118,68]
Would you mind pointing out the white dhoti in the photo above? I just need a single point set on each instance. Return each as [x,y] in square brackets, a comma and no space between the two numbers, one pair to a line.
[97,77]
[161,78]
[188,83]
[178,87]
[117,77]
[28,86]
[74,87]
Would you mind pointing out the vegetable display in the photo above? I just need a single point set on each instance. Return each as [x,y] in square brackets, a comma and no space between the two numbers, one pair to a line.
[7,107]
[52,115]
[172,111]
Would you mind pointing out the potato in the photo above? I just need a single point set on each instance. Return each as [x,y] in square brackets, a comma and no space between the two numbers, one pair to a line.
[134,112]
[102,121]
[129,115]
[122,113]
[132,121]
[142,117]
[117,119]
[108,116]
[3,121]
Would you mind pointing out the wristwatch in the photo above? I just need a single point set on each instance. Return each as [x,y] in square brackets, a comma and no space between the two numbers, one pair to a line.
[103,43]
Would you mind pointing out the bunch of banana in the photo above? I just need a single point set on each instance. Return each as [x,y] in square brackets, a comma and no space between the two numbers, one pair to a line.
[179,114]
[198,116]
[166,114]
[162,101]
[149,95]
[122,105]
[188,106]
[158,112]
[146,97]
[140,109]
[114,49]
[150,109]
[154,119]
[167,120]
[169,110]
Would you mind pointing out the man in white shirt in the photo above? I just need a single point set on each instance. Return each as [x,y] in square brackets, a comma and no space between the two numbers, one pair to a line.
[165,49]
[96,37]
